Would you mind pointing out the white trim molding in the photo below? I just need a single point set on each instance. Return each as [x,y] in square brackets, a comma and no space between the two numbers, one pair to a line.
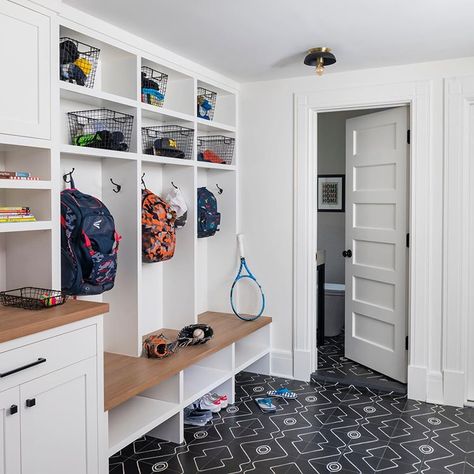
[281,364]
[458,250]
[418,96]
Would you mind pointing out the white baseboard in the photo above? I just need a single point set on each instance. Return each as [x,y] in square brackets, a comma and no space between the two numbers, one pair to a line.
[417,383]
[302,365]
[434,388]
[454,389]
[281,364]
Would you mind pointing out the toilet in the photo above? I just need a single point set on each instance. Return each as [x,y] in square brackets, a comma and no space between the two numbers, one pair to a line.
[333,309]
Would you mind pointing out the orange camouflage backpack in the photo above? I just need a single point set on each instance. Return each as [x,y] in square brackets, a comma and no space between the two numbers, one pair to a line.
[158,228]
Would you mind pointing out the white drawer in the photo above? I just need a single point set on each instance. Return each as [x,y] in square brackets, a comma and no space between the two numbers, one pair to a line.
[58,352]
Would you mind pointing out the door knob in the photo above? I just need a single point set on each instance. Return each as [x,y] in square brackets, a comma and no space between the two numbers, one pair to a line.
[347,253]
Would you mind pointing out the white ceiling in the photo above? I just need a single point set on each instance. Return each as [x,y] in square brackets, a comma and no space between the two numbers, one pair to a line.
[261,39]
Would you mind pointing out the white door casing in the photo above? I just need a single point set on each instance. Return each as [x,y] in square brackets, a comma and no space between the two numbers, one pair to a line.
[424,258]
[376,228]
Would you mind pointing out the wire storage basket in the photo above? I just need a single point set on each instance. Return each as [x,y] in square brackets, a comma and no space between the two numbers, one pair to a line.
[101,128]
[77,62]
[216,149]
[172,141]
[153,86]
[206,103]
[30,297]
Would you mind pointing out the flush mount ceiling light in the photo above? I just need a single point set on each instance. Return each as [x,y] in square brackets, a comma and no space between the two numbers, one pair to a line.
[319,57]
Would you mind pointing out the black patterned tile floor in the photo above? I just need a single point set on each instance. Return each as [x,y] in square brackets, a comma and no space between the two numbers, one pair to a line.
[328,428]
[334,367]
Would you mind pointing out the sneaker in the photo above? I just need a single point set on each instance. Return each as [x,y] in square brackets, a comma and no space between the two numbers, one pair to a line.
[195,416]
[207,402]
[222,398]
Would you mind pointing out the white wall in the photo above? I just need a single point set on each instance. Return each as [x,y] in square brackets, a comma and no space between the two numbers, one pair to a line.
[267,140]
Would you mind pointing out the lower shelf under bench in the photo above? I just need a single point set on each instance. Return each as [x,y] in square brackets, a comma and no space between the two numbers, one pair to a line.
[148,395]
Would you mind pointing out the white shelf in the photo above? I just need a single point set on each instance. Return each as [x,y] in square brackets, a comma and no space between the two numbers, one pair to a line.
[164,160]
[164,115]
[134,418]
[25,226]
[215,166]
[24,184]
[199,380]
[97,152]
[204,125]
[246,355]
[92,96]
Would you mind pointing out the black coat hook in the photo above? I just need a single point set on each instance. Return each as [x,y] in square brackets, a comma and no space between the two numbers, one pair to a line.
[219,190]
[69,179]
[174,185]
[118,187]
[143,181]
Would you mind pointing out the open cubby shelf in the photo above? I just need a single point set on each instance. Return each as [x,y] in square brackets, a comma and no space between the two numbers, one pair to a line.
[142,393]
[172,293]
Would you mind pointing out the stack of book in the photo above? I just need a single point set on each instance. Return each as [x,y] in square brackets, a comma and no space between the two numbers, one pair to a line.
[22,175]
[16,214]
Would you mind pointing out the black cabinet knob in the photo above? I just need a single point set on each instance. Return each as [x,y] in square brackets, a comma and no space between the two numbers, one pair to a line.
[31,402]
[13,409]
[347,253]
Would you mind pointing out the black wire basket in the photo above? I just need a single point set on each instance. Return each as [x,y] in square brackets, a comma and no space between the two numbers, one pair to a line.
[33,298]
[216,149]
[101,128]
[206,103]
[77,62]
[172,141]
[153,86]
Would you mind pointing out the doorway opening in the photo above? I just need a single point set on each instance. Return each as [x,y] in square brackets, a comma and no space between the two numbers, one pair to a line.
[363,247]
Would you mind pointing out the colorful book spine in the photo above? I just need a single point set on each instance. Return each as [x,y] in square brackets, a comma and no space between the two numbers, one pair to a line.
[18,219]
[23,178]
[14,209]
[19,174]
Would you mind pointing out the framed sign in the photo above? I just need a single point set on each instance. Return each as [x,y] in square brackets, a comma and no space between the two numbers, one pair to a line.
[331,193]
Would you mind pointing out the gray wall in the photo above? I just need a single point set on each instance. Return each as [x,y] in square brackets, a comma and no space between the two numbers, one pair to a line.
[332,160]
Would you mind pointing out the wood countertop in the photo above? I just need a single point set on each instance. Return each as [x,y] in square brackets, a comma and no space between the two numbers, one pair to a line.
[127,376]
[16,322]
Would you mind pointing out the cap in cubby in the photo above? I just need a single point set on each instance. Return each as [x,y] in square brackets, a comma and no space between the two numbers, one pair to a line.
[167,147]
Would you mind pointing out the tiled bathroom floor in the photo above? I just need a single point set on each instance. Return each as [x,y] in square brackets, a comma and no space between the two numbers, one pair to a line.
[333,366]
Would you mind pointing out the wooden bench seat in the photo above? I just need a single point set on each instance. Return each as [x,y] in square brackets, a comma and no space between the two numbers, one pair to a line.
[126,376]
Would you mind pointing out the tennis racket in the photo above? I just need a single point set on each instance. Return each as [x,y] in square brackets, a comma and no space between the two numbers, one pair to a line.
[246,294]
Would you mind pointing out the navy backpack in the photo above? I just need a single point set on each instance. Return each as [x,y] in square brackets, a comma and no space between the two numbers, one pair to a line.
[208,218]
[89,244]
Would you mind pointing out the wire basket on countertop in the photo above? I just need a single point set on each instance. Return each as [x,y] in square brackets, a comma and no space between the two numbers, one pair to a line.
[30,297]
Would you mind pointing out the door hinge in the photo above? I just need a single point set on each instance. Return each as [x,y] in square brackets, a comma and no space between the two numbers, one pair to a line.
[408,136]
[407,240]
[406,343]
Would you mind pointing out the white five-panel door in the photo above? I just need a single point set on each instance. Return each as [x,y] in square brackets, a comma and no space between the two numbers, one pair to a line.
[376,228]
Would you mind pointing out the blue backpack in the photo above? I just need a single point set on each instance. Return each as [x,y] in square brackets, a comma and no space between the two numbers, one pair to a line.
[208,218]
[89,244]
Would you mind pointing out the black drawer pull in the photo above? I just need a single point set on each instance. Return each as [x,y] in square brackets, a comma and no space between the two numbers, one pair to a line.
[41,360]
[13,409]
[31,402]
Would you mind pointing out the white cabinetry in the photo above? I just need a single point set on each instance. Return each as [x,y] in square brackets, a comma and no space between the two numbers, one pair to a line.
[9,432]
[49,419]
[25,81]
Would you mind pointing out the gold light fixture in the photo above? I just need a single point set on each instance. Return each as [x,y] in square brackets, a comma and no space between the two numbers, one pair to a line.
[319,58]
